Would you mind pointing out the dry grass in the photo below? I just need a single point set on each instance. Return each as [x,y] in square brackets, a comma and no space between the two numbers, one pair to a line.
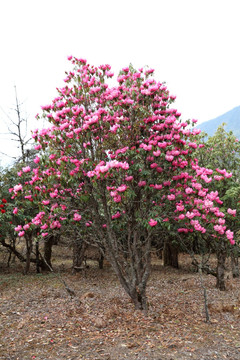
[40,321]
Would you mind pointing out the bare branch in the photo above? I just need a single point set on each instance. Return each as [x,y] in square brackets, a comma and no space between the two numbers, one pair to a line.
[12,157]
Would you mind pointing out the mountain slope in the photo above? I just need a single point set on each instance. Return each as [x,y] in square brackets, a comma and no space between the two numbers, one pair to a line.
[231,118]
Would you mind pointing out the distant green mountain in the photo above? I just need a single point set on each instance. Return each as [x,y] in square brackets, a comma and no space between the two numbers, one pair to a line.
[231,118]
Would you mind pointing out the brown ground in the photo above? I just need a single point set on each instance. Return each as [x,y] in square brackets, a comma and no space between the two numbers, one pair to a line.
[39,320]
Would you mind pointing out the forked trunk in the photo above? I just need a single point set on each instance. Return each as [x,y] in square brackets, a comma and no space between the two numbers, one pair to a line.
[133,274]
[139,299]
[136,293]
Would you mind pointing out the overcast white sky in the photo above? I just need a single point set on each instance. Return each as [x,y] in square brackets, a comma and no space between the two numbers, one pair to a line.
[192,44]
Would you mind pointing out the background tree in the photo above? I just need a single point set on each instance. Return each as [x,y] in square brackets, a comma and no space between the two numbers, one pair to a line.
[17,126]
[222,152]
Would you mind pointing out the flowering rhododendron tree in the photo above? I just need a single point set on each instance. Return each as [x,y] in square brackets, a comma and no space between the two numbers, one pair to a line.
[17,215]
[222,153]
[116,162]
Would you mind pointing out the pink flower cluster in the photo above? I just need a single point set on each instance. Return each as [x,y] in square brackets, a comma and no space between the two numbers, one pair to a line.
[101,168]
[37,220]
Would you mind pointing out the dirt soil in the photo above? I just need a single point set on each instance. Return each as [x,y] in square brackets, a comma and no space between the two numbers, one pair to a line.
[39,320]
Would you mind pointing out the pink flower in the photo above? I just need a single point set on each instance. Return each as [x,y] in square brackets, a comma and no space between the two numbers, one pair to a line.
[54,194]
[153,165]
[146,147]
[26,169]
[55,224]
[206,179]
[18,228]
[197,186]
[167,183]
[77,217]
[213,195]
[192,145]
[142,183]
[208,203]
[52,156]
[157,153]
[190,215]
[117,198]
[37,147]
[180,207]
[36,160]
[17,187]
[114,128]
[201,193]
[152,222]
[117,215]
[29,197]
[218,178]
[231,212]
[122,188]
[91,173]
[21,233]
[44,234]
[228,175]
[169,157]
[221,221]
[113,193]
[183,230]
[15,210]
[220,229]
[229,235]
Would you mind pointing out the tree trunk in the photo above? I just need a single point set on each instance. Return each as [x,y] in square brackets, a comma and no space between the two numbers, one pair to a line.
[100,261]
[28,238]
[37,257]
[13,250]
[136,292]
[234,264]
[79,247]
[221,259]
[133,272]
[139,299]
[9,259]
[13,241]
[170,255]
[47,253]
